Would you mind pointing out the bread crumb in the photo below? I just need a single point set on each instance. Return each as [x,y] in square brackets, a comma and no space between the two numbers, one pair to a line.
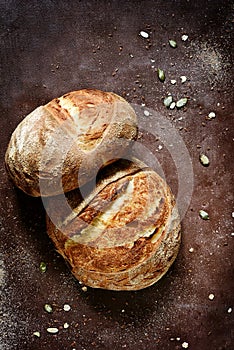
[66,307]
[211,115]
[211,296]
[184,37]
[146,113]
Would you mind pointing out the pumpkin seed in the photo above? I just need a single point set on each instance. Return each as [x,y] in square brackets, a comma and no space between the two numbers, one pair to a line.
[182,102]
[173,43]
[37,334]
[52,330]
[48,308]
[204,160]
[144,34]
[167,101]
[172,105]
[43,267]
[161,74]
[204,215]
[183,79]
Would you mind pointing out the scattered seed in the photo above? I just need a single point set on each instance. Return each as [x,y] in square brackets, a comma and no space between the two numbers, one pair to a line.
[183,79]
[211,115]
[161,74]
[182,102]
[173,43]
[204,215]
[191,250]
[184,37]
[43,267]
[160,147]
[233,214]
[37,334]
[84,289]
[167,101]
[204,160]
[144,34]
[172,105]
[52,330]
[185,345]
[232,234]
[66,307]
[66,325]
[173,81]
[152,60]
[229,310]
[48,308]
[178,338]
[146,113]
[211,296]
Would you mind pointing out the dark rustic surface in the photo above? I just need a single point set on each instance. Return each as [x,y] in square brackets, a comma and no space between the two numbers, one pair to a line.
[51,47]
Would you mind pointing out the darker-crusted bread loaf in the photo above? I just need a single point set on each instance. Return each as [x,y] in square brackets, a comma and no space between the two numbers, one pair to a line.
[59,147]
[124,235]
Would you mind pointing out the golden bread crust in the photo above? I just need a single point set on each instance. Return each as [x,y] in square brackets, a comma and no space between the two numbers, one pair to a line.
[124,235]
[60,146]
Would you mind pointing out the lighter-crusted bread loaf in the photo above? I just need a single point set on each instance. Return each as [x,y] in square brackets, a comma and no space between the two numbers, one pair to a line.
[59,147]
[124,235]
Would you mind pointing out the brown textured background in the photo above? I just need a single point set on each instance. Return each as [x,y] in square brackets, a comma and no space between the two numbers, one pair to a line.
[51,47]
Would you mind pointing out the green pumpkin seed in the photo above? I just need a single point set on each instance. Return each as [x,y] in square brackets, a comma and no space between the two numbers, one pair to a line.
[182,102]
[48,308]
[173,43]
[43,267]
[204,215]
[204,160]
[161,74]
[167,101]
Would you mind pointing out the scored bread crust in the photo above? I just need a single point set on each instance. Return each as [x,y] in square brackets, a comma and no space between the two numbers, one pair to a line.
[59,147]
[124,235]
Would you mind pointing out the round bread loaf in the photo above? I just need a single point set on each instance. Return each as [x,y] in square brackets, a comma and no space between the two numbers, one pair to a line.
[124,235]
[59,146]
